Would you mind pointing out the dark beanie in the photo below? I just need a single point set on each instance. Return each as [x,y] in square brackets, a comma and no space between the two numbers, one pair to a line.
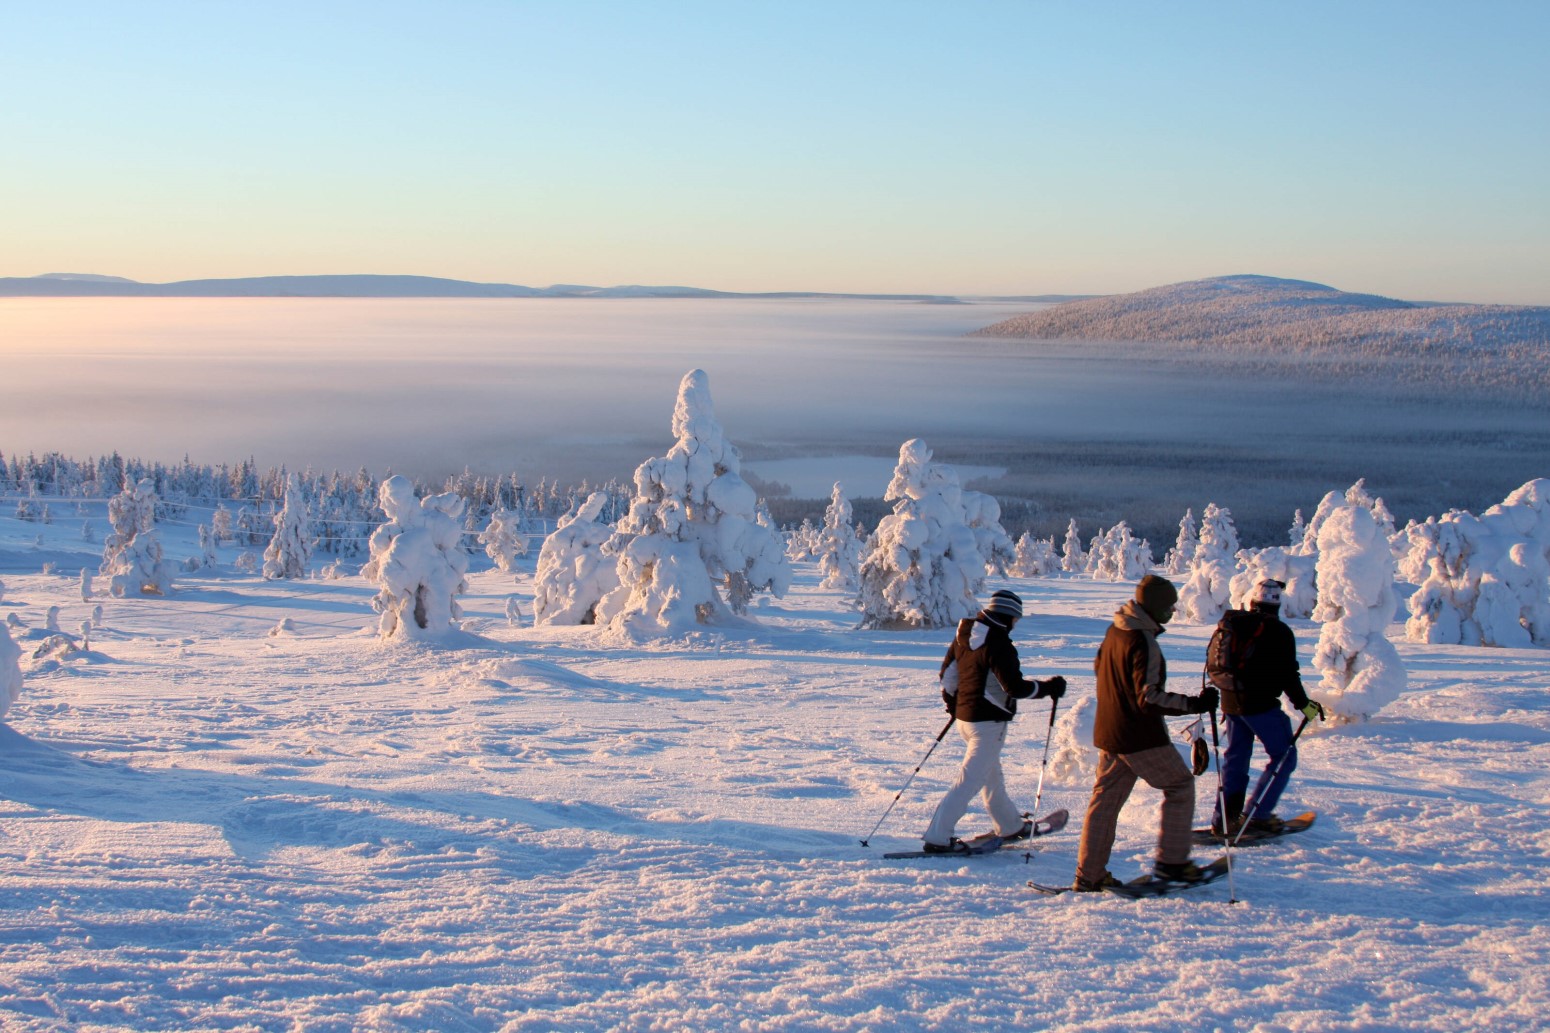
[1156,596]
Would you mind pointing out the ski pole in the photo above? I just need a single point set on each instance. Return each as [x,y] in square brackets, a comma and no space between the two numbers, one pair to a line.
[1275,770]
[939,737]
[1044,764]
[1221,802]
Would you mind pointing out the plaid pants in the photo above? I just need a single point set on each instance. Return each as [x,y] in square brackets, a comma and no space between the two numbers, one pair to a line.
[1162,768]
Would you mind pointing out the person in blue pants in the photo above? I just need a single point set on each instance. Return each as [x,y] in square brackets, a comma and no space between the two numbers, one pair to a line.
[1252,710]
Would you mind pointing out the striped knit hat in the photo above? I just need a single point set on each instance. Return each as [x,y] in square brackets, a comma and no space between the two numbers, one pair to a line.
[1267,593]
[1005,603]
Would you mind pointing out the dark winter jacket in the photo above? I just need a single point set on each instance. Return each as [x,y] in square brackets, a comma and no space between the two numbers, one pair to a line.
[982,648]
[1270,671]
[1131,674]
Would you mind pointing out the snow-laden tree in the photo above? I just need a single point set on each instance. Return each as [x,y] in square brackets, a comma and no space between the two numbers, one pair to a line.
[290,548]
[924,568]
[1481,588]
[132,555]
[1177,560]
[693,531]
[503,539]
[1361,668]
[802,542]
[1276,563]
[1298,531]
[1118,555]
[839,548]
[220,523]
[574,573]
[207,554]
[1208,589]
[983,515]
[10,671]
[1035,557]
[1072,559]
[417,562]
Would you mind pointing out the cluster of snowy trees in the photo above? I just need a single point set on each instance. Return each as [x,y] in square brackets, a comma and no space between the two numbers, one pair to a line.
[1482,577]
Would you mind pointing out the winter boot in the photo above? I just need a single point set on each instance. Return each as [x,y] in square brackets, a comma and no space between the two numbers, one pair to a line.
[1081,885]
[1234,824]
[952,846]
[1184,871]
[1269,823]
[1022,833]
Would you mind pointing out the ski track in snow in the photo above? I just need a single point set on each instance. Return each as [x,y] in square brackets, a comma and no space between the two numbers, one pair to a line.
[206,826]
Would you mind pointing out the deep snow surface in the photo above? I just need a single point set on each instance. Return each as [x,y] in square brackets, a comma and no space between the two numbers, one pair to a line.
[207,826]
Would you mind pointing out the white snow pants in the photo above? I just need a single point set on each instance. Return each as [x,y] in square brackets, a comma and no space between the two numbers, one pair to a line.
[981,773]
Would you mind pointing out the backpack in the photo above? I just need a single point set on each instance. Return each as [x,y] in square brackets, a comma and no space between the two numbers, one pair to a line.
[1232,644]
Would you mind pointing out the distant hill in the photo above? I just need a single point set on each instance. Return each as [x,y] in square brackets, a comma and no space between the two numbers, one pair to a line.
[90,285]
[1274,320]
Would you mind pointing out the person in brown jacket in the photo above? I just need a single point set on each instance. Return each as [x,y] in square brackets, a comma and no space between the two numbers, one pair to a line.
[1133,740]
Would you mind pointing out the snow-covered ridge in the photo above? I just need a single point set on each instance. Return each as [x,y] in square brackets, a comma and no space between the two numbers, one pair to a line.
[79,285]
[1268,318]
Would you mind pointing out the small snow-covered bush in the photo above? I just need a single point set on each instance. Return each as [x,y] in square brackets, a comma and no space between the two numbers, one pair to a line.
[417,562]
[503,539]
[1118,555]
[983,515]
[1277,563]
[10,671]
[574,573]
[924,568]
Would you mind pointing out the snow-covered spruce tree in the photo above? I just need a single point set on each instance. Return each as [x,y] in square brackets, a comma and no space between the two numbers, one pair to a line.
[693,531]
[1177,560]
[10,671]
[207,555]
[503,539]
[132,554]
[1208,589]
[839,548]
[1072,559]
[1362,670]
[417,562]
[220,523]
[1035,557]
[290,548]
[573,572]
[924,569]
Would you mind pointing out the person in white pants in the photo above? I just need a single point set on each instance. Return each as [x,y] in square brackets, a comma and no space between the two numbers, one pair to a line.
[982,680]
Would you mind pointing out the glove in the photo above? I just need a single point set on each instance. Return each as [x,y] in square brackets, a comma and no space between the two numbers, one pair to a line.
[1313,710]
[1206,701]
[1053,688]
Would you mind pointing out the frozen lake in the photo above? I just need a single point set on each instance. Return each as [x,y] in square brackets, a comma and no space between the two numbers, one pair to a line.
[574,389]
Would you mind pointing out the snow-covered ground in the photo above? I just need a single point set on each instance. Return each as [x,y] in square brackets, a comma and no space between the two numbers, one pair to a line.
[209,824]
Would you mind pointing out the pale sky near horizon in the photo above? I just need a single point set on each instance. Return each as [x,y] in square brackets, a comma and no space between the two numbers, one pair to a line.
[972,148]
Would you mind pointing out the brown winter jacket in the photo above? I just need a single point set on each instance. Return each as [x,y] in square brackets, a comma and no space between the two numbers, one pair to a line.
[1131,674]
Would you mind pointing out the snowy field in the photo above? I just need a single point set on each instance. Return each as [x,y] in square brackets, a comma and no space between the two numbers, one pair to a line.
[208,825]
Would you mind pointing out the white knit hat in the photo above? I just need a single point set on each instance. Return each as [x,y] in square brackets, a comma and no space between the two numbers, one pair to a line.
[1267,593]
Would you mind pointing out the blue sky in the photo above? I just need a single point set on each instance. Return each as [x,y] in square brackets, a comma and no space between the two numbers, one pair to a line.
[1399,148]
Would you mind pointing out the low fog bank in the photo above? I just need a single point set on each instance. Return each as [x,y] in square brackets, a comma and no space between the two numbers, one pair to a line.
[584,390]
